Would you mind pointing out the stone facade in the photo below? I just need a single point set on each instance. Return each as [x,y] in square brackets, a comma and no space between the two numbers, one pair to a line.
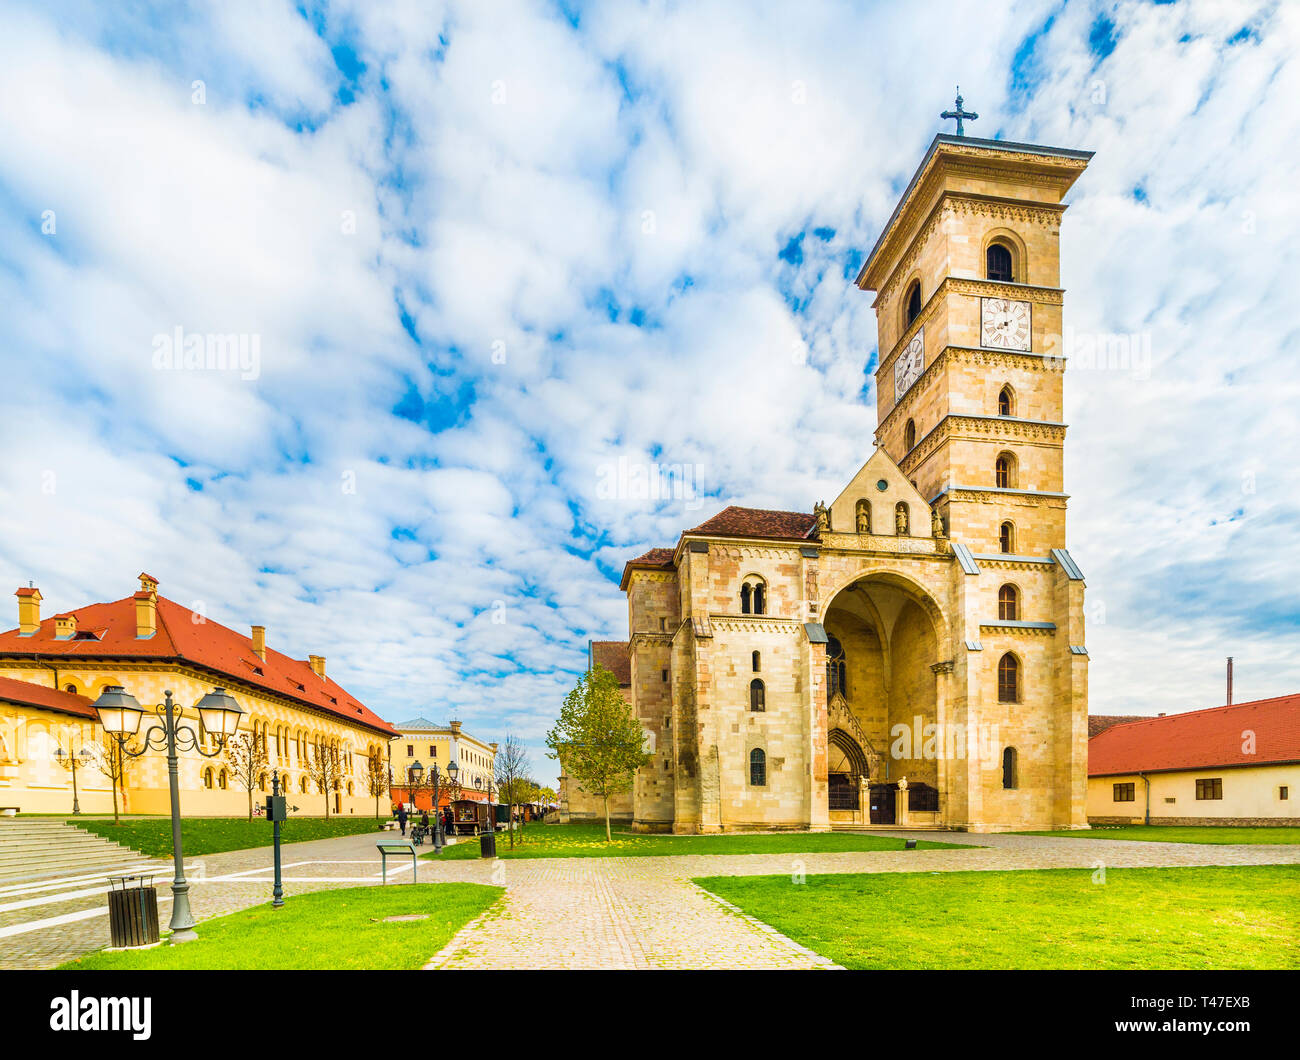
[798,670]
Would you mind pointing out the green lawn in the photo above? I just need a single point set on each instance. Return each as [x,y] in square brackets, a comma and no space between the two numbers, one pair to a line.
[588,841]
[152,836]
[1206,918]
[342,928]
[1161,833]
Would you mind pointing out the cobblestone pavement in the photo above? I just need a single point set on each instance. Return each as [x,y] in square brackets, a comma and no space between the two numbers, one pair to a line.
[644,912]
[640,912]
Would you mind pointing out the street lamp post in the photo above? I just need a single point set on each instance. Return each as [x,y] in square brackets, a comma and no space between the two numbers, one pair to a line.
[67,758]
[120,714]
[435,776]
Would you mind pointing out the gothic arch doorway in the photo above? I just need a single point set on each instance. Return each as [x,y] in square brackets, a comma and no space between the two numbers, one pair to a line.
[846,765]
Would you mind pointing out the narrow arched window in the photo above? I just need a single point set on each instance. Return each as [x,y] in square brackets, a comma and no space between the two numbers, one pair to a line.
[760,599]
[207,779]
[745,599]
[758,662]
[836,668]
[757,695]
[1008,679]
[913,301]
[1006,402]
[1008,603]
[909,436]
[997,263]
[1007,538]
[1004,471]
[1009,779]
[221,780]
[757,768]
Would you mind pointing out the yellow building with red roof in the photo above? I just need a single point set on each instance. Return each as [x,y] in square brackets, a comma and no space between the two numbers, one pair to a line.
[52,670]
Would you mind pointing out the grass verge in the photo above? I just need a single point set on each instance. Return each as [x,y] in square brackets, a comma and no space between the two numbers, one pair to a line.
[1178,918]
[342,928]
[1217,835]
[588,841]
[214,835]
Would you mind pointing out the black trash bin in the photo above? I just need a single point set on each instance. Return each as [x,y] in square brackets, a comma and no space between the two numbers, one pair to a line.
[132,911]
[487,845]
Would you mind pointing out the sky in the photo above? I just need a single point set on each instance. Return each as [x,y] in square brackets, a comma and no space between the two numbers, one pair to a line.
[477,257]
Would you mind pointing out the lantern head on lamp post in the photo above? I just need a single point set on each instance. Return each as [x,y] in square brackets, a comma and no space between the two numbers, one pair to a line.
[219,714]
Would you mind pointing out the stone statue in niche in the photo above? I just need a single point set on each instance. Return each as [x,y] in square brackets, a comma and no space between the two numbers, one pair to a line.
[864,517]
[936,524]
[900,521]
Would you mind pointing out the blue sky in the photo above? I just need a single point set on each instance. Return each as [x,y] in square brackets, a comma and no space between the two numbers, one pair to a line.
[485,251]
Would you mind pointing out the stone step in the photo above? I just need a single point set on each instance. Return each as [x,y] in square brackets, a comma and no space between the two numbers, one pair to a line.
[62,866]
[96,868]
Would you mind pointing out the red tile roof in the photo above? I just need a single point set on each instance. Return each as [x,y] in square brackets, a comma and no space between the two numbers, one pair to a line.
[756,522]
[26,694]
[1200,739]
[613,655]
[1101,722]
[185,637]
[655,559]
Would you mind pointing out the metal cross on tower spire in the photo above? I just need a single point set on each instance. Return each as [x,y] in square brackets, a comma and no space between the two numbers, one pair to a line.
[959,114]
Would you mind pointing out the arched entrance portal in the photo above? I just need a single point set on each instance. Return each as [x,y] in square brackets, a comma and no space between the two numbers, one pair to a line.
[846,766]
[884,636]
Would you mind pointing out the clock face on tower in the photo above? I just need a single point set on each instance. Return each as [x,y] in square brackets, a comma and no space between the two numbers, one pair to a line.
[1004,324]
[907,369]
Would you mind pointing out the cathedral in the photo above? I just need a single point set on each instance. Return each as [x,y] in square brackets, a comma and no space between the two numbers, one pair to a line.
[911,654]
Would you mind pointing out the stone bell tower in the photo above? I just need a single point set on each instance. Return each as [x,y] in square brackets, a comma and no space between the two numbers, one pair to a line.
[969,383]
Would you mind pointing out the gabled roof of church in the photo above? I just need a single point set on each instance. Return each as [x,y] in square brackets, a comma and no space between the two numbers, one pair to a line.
[734,521]
[1200,739]
[613,656]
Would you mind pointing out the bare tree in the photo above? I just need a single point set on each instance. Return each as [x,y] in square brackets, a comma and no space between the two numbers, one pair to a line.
[512,767]
[113,761]
[325,768]
[248,761]
[376,776]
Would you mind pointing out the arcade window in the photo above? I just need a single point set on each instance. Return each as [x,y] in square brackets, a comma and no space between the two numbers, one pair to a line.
[1124,792]
[1209,789]
[997,263]
[914,301]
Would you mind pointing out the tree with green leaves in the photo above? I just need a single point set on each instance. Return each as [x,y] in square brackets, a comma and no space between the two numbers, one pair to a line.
[598,739]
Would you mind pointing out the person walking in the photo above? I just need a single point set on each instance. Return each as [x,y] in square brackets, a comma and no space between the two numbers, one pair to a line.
[401,818]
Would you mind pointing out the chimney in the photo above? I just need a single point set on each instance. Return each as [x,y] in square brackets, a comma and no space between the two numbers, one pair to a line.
[146,608]
[317,665]
[65,626]
[29,611]
[1229,680]
[259,642]
[455,728]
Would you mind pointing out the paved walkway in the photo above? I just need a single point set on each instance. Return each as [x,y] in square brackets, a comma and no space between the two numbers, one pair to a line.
[638,912]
